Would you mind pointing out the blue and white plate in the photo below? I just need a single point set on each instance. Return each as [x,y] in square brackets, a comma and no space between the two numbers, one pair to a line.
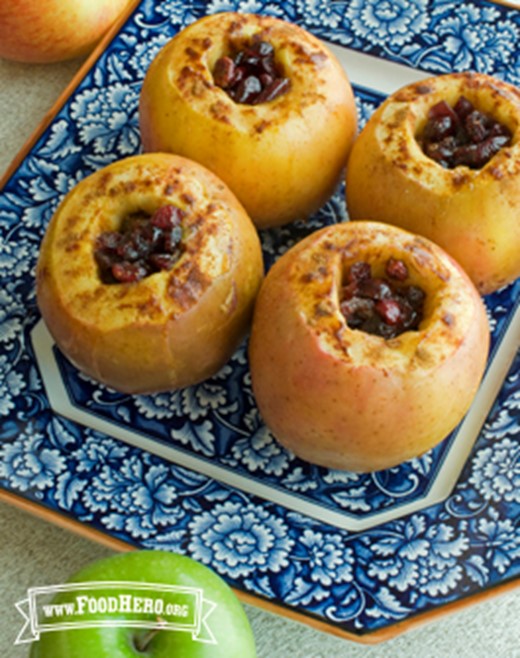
[196,471]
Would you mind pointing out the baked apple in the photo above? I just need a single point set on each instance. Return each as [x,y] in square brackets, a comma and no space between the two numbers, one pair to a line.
[148,273]
[441,158]
[259,101]
[367,346]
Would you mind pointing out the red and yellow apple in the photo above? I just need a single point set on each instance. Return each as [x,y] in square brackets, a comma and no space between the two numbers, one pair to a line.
[282,158]
[472,213]
[347,399]
[174,327]
[42,31]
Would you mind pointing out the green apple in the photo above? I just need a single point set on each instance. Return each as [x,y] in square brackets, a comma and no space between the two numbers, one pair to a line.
[143,603]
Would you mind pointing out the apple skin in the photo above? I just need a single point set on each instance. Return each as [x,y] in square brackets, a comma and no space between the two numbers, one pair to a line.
[228,621]
[283,159]
[54,30]
[343,398]
[173,328]
[472,214]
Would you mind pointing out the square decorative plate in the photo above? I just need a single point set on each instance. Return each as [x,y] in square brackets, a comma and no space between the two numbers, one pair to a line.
[196,471]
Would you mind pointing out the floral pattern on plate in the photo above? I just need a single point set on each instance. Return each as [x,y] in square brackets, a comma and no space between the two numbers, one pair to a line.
[359,581]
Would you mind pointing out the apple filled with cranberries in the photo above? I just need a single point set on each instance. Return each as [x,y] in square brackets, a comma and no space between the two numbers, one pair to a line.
[260,102]
[367,347]
[148,273]
[441,158]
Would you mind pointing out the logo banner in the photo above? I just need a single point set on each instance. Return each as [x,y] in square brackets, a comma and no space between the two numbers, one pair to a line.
[115,603]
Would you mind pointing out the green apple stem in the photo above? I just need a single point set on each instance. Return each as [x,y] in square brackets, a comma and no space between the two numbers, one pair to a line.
[142,642]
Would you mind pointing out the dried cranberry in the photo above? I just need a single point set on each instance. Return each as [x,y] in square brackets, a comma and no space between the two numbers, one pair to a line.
[127,250]
[239,74]
[128,272]
[108,241]
[263,48]
[443,122]
[357,311]
[477,126]
[359,270]
[104,260]
[442,152]
[499,130]
[250,59]
[224,72]
[268,66]
[374,289]
[415,297]
[270,91]
[167,217]
[389,310]
[383,306]
[251,75]
[172,238]
[396,269]
[247,90]
[473,155]
[266,80]
[463,107]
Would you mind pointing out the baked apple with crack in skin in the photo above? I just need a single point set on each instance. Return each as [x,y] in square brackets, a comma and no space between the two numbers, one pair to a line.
[441,158]
[367,346]
[259,101]
[148,273]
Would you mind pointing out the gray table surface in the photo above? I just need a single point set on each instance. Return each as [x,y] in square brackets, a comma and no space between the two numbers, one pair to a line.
[35,553]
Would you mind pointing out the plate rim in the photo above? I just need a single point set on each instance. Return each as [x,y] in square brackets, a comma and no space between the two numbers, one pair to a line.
[375,637]
[61,519]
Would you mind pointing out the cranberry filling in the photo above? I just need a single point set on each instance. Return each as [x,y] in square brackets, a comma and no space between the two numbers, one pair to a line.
[144,245]
[251,75]
[384,306]
[462,135]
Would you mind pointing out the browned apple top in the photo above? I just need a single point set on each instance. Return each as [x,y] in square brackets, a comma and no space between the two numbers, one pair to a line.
[255,60]
[163,236]
[469,123]
[368,291]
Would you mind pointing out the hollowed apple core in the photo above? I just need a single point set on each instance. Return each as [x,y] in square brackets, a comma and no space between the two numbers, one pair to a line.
[386,305]
[142,245]
[250,74]
[462,135]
